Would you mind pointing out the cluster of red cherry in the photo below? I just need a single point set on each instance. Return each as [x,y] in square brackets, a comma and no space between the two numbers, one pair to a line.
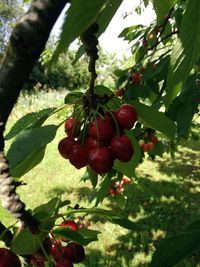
[117,187]
[105,140]
[148,143]
[62,256]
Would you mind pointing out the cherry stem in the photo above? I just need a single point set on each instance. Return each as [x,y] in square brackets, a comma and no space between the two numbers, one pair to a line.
[44,251]
[113,117]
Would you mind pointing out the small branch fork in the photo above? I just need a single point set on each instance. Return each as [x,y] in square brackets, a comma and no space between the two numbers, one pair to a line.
[26,43]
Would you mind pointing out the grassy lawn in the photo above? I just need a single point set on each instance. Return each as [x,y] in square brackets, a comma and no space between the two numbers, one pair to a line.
[163,199]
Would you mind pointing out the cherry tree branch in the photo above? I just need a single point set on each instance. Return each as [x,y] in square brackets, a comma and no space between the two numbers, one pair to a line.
[26,43]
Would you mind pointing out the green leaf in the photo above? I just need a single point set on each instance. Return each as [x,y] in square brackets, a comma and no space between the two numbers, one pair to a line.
[103,20]
[88,232]
[114,217]
[30,120]
[107,14]
[28,149]
[125,223]
[69,234]
[50,208]
[184,106]
[79,16]
[162,8]
[29,240]
[185,52]
[128,168]
[104,187]
[73,97]
[90,175]
[101,90]
[156,119]
[174,249]
[25,243]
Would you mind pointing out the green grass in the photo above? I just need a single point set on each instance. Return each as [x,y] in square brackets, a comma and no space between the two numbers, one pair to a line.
[163,199]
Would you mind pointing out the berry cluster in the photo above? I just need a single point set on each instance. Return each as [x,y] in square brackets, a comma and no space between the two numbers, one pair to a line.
[148,143]
[62,255]
[117,187]
[103,142]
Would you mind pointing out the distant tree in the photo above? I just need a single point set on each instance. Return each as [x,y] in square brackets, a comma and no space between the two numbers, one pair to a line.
[10,12]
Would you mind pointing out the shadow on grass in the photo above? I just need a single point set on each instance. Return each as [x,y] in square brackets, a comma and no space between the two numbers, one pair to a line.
[158,207]
[186,165]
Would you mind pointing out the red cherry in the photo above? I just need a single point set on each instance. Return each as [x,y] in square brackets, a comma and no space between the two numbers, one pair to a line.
[8,258]
[72,127]
[120,189]
[126,116]
[136,78]
[65,146]
[64,263]
[101,129]
[154,139]
[112,191]
[145,43]
[146,147]
[93,143]
[122,148]
[70,224]
[74,252]
[37,261]
[78,155]
[151,145]
[56,252]
[126,180]
[101,160]
[119,92]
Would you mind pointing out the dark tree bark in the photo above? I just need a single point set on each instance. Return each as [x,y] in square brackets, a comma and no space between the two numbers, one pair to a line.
[26,43]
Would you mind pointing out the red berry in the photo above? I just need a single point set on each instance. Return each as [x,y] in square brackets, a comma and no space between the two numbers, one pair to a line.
[136,78]
[8,258]
[70,224]
[56,252]
[64,263]
[126,180]
[101,160]
[146,147]
[122,148]
[120,189]
[126,116]
[65,146]
[93,143]
[102,128]
[112,191]
[154,139]
[78,155]
[37,261]
[119,92]
[74,252]
[151,145]
[72,127]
